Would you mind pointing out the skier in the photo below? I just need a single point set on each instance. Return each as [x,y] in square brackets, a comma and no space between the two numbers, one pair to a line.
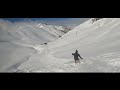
[76,57]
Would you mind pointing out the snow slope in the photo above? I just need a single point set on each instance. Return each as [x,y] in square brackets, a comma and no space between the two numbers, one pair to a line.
[29,32]
[98,43]
[90,39]
[17,40]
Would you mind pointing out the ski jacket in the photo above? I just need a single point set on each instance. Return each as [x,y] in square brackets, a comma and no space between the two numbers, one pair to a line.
[76,56]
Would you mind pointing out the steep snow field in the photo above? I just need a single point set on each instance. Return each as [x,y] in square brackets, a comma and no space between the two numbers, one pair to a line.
[17,40]
[90,39]
[29,32]
[97,42]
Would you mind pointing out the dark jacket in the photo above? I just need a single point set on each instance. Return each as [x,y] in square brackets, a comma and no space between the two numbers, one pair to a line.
[76,55]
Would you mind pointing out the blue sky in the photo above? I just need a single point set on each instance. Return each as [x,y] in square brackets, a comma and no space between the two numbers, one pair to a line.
[51,20]
[48,19]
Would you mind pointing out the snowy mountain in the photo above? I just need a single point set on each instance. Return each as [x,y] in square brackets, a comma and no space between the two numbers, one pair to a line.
[91,39]
[97,42]
[30,32]
[17,38]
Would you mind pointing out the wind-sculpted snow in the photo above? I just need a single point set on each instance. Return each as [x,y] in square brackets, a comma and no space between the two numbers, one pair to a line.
[12,55]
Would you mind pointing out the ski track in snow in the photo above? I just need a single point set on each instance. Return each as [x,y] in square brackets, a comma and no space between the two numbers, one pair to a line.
[109,62]
[50,67]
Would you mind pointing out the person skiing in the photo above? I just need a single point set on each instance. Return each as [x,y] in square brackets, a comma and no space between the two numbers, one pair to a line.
[76,57]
